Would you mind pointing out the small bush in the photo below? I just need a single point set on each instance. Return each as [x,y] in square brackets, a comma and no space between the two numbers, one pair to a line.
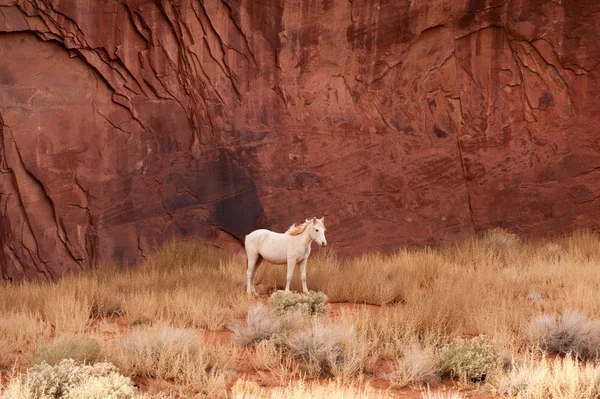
[264,324]
[328,350]
[70,346]
[175,355]
[70,380]
[161,352]
[468,359]
[574,333]
[313,303]
[417,366]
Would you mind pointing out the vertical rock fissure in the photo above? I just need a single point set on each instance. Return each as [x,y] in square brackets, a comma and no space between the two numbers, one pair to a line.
[464,173]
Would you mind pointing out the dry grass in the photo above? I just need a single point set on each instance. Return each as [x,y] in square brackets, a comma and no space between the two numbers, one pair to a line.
[267,355]
[482,286]
[185,283]
[69,346]
[328,350]
[417,366]
[337,389]
[494,285]
[551,379]
[264,324]
[176,355]
[20,335]
[441,395]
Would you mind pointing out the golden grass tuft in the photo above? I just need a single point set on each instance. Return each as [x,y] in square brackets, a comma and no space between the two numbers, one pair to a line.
[20,335]
[302,389]
[70,346]
[176,355]
[558,378]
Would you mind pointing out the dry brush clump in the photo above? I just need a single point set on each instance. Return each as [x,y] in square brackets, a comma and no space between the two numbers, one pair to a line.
[328,350]
[70,346]
[417,366]
[573,333]
[263,324]
[311,303]
[289,334]
[468,359]
[20,335]
[70,380]
[172,354]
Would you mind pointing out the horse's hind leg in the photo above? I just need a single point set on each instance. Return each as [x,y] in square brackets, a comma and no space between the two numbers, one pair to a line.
[254,261]
[291,265]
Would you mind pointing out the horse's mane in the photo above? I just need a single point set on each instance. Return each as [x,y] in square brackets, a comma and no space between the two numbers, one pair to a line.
[296,230]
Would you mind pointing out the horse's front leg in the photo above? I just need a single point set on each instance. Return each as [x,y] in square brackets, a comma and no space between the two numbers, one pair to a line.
[303,275]
[291,264]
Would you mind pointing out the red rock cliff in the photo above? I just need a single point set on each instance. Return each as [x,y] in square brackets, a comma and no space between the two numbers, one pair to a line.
[403,122]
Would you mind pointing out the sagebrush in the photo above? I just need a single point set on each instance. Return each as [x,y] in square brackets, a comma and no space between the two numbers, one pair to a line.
[468,359]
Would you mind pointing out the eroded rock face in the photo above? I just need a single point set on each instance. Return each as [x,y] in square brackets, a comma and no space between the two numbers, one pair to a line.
[125,122]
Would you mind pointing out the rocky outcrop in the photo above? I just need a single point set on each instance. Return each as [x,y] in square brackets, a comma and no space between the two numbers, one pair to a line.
[124,122]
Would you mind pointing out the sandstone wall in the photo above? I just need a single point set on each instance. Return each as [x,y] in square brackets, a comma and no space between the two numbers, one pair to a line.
[404,122]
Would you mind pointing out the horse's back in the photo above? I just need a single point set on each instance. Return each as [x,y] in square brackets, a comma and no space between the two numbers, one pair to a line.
[270,245]
[252,240]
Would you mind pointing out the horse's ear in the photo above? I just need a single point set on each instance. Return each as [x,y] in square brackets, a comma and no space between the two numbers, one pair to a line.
[314,219]
[322,220]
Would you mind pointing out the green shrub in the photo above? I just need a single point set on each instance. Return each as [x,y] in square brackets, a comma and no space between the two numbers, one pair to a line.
[70,346]
[69,380]
[468,359]
[312,303]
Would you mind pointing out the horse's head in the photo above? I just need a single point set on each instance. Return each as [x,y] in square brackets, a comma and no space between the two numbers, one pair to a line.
[317,231]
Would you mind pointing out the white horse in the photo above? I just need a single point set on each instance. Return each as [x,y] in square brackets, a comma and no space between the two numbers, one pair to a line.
[291,248]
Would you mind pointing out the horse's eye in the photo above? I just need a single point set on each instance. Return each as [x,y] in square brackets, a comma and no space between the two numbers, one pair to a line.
[317,230]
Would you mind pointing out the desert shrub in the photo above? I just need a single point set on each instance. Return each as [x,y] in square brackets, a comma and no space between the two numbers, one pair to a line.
[70,346]
[468,359]
[328,350]
[70,380]
[264,324]
[161,351]
[573,333]
[559,378]
[313,303]
[416,366]
[172,354]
